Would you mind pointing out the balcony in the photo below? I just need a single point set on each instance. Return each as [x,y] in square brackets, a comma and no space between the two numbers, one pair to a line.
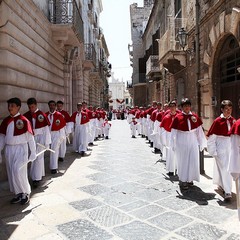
[152,66]
[90,56]
[67,23]
[139,79]
[171,55]
[98,73]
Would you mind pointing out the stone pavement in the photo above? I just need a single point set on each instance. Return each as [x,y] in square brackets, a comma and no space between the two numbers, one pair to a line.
[119,192]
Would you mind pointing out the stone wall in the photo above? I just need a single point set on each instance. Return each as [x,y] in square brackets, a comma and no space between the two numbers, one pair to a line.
[31,64]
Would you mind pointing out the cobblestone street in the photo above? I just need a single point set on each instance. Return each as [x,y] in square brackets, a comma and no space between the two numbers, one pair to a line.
[120,191]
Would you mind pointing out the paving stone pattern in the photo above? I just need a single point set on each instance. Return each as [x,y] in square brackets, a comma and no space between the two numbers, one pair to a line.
[120,192]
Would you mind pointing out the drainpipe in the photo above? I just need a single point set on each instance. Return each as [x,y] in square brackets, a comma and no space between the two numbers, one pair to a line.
[197,41]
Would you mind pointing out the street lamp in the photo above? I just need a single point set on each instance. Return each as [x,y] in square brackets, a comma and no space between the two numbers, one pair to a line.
[182,36]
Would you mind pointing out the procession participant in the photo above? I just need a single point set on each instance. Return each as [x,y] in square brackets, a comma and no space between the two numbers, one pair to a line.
[68,128]
[219,146]
[133,127]
[156,128]
[96,116]
[145,121]
[87,111]
[141,119]
[131,114]
[99,123]
[114,111]
[234,159]
[150,121]
[16,135]
[92,125]
[58,134]
[81,126]
[165,134]
[137,116]
[40,125]
[187,138]
[106,127]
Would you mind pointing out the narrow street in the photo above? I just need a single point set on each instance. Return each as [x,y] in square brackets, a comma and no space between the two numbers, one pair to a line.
[120,191]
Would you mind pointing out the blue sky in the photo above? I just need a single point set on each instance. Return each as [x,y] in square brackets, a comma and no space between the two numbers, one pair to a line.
[115,21]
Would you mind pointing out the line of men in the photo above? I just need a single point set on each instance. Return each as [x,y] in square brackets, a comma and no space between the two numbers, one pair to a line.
[25,138]
[178,135]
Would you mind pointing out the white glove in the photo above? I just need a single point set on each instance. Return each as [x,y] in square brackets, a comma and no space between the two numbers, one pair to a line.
[201,148]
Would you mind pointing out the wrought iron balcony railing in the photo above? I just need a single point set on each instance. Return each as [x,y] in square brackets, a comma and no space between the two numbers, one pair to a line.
[90,53]
[152,65]
[66,12]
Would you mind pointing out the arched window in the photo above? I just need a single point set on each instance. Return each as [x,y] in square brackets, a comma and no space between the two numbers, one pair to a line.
[229,61]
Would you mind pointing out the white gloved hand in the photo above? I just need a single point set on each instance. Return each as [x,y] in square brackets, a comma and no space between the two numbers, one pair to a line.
[201,148]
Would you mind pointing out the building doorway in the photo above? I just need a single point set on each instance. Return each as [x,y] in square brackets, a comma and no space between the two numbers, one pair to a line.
[227,76]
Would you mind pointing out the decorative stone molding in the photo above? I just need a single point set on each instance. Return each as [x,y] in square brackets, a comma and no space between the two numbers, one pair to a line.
[204,81]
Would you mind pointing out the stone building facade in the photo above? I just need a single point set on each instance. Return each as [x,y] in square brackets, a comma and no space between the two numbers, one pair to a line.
[207,69]
[117,95]
[139,18]
[52,50]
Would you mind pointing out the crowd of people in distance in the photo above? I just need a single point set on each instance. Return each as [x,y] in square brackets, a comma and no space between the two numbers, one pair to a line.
[177,134]
[26,137]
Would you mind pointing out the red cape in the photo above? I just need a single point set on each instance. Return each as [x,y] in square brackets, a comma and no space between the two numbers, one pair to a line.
[167,121]
[21,125]
[40,117]
[219,126]
[235,128]
[58,121]
[84,117]
[180,122]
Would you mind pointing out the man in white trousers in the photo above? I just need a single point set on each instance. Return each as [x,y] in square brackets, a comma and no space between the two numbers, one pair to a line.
[40,125]
[16,135]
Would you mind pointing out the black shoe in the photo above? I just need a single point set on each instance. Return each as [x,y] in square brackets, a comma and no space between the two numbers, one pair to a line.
[60,159]
[53,171]
[84,154]
[183,185]
[227,197]
[106,137]
[156,150]
[35,183]
[16,199]
[25,199]
[170,174]
[90,144]
[133,136]
[190,183]
[151,144]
